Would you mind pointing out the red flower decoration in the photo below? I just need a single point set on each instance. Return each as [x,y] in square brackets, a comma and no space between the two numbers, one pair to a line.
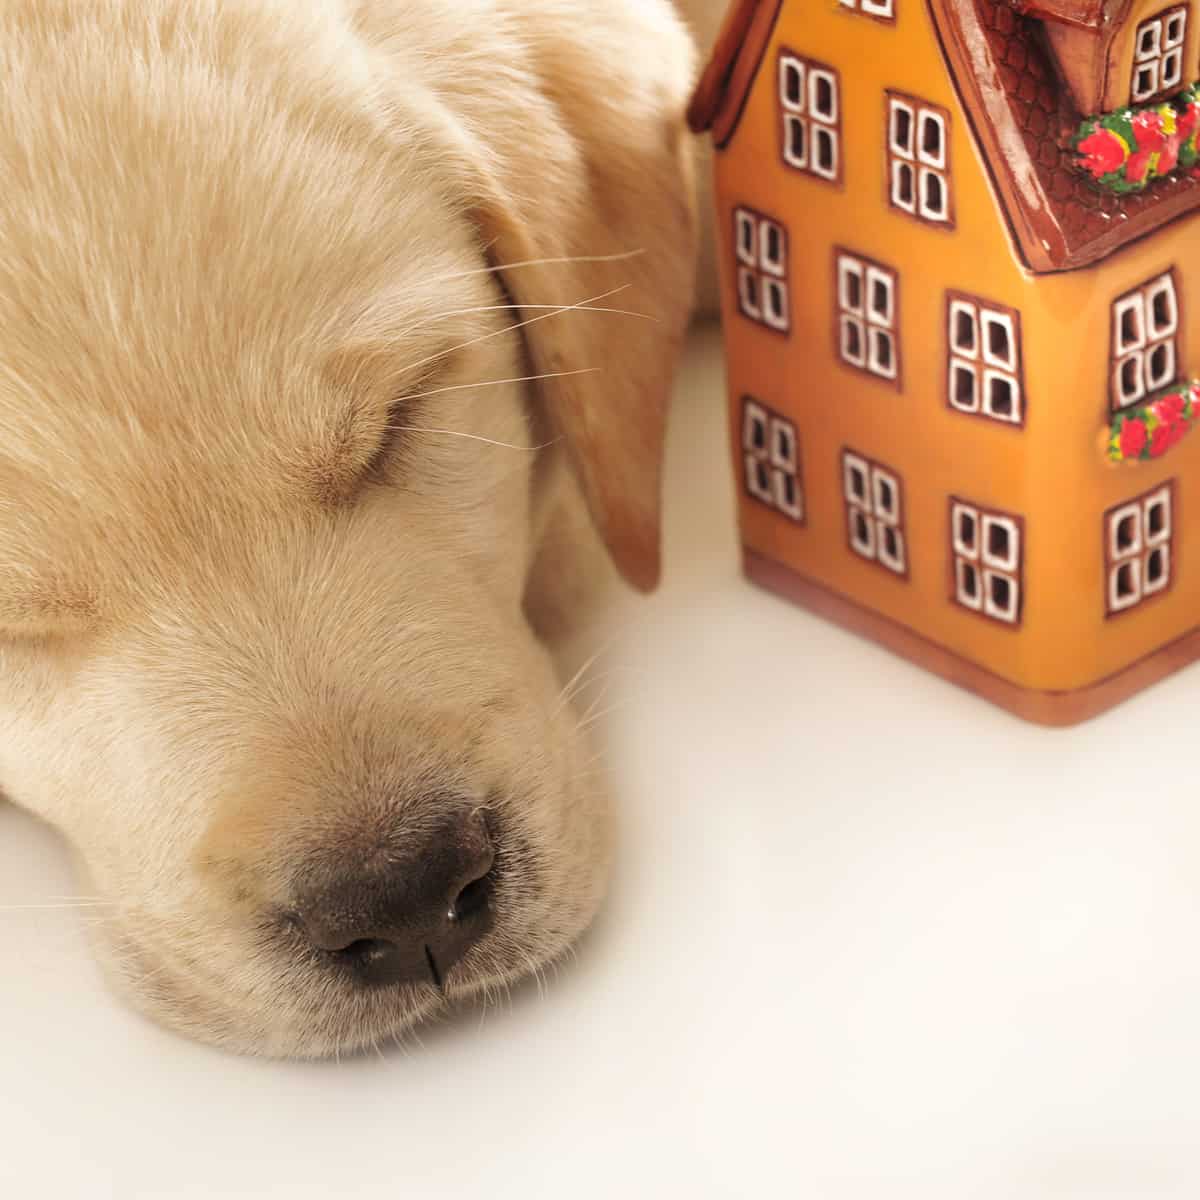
[1133,438]
[1148,130]
[1138,165]
[1171,414]
[1103,152]
[1168,156]
[1170,407]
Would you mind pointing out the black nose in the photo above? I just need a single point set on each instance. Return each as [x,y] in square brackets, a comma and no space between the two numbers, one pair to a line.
[406,917]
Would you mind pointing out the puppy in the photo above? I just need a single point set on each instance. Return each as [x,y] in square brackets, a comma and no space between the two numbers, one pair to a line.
[315,339]
[704,19]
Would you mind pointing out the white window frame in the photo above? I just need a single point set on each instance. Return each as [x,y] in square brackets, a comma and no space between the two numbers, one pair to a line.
[875,326]
[1144,359]
[762,277]
[771,461]
[819,126]
[977,360]
[1135,561]
[911,167]
[976,560]
[869,520]
[1158,48]
[884,10]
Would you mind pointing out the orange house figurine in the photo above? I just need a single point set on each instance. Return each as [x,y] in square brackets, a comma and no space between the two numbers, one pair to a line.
[961,270]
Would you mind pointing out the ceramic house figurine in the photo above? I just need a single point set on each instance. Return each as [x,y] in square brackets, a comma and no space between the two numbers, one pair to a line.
[961,275]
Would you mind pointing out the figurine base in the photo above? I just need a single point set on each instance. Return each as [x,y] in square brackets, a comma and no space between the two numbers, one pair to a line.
[1058,709]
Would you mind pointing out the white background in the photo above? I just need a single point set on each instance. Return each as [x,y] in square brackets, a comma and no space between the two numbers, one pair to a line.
[868,937]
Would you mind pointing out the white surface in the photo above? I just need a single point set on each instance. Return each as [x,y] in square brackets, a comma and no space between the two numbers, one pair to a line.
[868,938]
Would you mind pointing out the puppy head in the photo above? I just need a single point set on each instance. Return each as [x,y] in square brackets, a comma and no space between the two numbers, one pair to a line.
[272,483]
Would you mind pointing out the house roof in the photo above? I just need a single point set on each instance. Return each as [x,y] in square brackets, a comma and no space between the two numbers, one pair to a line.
[1023,120]
[1022,117]
[1089,14]
[721,95]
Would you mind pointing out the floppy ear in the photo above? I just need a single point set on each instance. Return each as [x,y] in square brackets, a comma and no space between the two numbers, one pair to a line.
[588,201]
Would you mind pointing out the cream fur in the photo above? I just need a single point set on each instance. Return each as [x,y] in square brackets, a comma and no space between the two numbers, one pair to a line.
[704,18]
[260,600]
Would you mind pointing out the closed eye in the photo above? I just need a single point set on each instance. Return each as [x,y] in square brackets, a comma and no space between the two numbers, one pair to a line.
[404,409]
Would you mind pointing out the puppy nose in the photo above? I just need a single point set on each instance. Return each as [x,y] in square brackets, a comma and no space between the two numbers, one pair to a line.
[407,918]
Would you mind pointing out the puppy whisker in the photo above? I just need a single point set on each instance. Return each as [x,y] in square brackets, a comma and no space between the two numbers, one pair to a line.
[573,685]
[622,671]
[546,316]
[464,387]
[541,262]
[473,437]
[606,712]
[585,307]
[577,681]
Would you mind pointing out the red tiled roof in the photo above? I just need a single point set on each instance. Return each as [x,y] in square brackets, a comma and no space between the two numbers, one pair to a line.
[1023,119]
[1021,114]
[1090,14]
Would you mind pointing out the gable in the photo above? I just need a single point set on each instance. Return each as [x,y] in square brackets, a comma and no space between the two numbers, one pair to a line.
[721,95]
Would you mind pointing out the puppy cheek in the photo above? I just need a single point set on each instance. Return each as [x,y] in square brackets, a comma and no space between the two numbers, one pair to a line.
[563,820]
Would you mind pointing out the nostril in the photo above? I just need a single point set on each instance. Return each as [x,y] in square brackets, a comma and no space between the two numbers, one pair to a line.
[367,954]
[473,899]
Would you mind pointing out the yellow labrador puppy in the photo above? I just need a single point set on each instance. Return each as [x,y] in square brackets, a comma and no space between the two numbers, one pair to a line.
[312,314]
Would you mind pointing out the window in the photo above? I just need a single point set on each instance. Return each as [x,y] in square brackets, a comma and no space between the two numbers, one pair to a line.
[985,372]
[1138,541]
[762,252]
[988,551]
[874,512]
[868,316]
[772,459]
[918,159]
[885,10]
[810,99]
[1145,345]
[1158,55]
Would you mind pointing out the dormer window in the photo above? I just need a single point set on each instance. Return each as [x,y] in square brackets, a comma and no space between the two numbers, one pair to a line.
[1158,56]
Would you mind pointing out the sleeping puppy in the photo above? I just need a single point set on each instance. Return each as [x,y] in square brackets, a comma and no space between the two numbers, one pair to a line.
[314,330]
